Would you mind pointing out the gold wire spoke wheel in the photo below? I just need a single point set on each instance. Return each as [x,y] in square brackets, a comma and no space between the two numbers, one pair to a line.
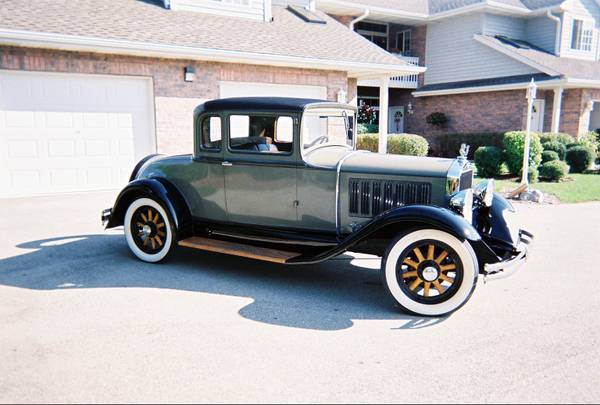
[148,229]
[429,271]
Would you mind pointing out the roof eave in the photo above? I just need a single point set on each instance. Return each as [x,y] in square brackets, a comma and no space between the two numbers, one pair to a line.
[497,87]
[145,49]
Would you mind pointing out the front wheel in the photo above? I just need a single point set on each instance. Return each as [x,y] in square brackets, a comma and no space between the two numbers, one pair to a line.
[148,230]
[430,272]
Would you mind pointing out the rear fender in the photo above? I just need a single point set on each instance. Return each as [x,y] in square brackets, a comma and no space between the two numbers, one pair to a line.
[158,189]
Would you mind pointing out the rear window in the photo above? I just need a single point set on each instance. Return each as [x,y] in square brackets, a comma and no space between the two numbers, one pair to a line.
[211,134]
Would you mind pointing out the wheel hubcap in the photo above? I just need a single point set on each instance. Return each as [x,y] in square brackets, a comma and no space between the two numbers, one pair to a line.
[146,230]
[430,273]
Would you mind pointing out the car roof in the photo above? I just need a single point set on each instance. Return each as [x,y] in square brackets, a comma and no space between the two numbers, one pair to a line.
[266,104]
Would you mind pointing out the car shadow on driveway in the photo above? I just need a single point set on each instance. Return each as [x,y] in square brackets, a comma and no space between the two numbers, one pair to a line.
[326,296]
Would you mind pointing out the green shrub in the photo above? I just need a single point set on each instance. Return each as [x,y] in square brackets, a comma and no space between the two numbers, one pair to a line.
[514,145]
[448,145]
[580,158]
[367,142]
[398,144]
[560,137]
[407,144]
[554,170]
[367,128]
[488,160]
[533,174]
[549,156]
[437,119]
[590,141]
[557,147]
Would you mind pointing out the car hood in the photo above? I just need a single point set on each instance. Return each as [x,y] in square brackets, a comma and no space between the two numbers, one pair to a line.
[364,162]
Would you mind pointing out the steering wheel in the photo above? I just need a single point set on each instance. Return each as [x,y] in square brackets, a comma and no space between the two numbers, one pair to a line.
[317,141]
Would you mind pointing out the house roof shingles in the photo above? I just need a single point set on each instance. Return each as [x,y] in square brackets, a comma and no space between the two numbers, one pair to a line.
[568,67]
[147,21]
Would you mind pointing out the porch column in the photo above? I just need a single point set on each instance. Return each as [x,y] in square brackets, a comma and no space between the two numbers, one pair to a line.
[556,109]
[383,113]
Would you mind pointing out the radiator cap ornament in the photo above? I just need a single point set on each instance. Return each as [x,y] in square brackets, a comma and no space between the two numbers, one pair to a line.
[464,151]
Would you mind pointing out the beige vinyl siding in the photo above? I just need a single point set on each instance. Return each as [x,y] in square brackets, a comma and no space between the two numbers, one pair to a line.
[453,54]
[232,8]
[504,25]
[541,32]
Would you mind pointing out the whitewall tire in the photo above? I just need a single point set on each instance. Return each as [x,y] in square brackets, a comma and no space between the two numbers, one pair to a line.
[149,230]
[430,272]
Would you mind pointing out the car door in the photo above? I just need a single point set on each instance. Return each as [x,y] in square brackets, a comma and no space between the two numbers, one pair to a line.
[260,169]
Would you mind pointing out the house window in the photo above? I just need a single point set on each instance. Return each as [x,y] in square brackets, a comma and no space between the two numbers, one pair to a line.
[581,36]
[374,32]
[403,42]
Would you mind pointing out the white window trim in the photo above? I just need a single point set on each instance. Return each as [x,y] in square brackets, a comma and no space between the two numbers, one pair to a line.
[409,31]
[588,25]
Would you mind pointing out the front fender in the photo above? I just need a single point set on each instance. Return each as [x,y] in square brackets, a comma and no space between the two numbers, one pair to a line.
[163,193]
[404,218]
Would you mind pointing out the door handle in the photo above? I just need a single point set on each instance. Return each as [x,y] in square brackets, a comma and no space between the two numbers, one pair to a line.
[226,164]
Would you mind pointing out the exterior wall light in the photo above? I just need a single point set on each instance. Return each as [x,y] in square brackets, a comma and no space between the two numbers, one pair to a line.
[189,74]
[341,96]
[410,109]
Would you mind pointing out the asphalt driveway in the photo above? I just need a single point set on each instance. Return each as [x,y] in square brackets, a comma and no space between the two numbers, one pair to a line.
[81,320]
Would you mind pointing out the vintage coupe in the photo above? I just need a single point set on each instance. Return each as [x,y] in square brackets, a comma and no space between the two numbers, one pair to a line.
[280,180]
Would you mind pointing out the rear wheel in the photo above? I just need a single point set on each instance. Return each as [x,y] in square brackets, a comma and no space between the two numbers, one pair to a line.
[148,230]
[430,272]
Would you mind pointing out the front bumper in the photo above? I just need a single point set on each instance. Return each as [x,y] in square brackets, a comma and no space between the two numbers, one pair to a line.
[506,268]
[106,213]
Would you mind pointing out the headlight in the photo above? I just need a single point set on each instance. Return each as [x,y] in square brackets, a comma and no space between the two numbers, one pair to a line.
[462,203]
[484,192]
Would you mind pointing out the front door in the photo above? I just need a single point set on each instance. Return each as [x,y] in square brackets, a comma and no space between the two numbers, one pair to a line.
[396,120]
[260,170]
[537,116]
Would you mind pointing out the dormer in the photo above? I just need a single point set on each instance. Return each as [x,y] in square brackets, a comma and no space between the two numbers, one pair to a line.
[252,9]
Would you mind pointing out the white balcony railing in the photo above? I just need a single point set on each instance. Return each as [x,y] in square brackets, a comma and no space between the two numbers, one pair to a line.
[398,82]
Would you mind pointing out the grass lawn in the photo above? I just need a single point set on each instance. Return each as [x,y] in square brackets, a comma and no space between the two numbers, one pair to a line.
[577,188]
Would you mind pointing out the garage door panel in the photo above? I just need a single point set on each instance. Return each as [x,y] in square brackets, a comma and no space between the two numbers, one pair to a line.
[88,140]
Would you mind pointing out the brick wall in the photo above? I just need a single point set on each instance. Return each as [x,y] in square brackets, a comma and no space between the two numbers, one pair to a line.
[471,112]
[174,98]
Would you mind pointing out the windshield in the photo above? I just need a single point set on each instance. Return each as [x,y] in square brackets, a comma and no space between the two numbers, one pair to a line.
[331,126]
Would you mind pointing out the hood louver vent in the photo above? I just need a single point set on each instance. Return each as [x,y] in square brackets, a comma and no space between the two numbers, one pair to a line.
[372,197]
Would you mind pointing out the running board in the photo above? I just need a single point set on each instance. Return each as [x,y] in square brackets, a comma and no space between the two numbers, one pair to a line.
[238,249]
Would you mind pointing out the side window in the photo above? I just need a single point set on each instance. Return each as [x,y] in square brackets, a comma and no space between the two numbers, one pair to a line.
[211,134]
[261,133]
[284,130]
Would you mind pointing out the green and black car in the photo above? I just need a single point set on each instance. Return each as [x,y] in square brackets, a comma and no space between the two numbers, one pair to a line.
[280,180]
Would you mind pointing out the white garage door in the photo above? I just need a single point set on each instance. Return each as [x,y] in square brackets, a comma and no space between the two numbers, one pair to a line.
[64,133]
[237,89]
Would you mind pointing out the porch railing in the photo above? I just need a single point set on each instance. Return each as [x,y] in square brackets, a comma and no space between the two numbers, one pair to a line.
[400,82]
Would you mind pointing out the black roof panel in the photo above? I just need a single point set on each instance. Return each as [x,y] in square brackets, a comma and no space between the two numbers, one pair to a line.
[266,104]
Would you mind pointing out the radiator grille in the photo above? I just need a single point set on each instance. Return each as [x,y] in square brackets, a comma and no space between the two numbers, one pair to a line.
[466,180]
[371,197]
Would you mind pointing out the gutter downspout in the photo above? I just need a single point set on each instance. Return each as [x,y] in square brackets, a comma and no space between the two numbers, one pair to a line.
[359,18]
[558,31]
